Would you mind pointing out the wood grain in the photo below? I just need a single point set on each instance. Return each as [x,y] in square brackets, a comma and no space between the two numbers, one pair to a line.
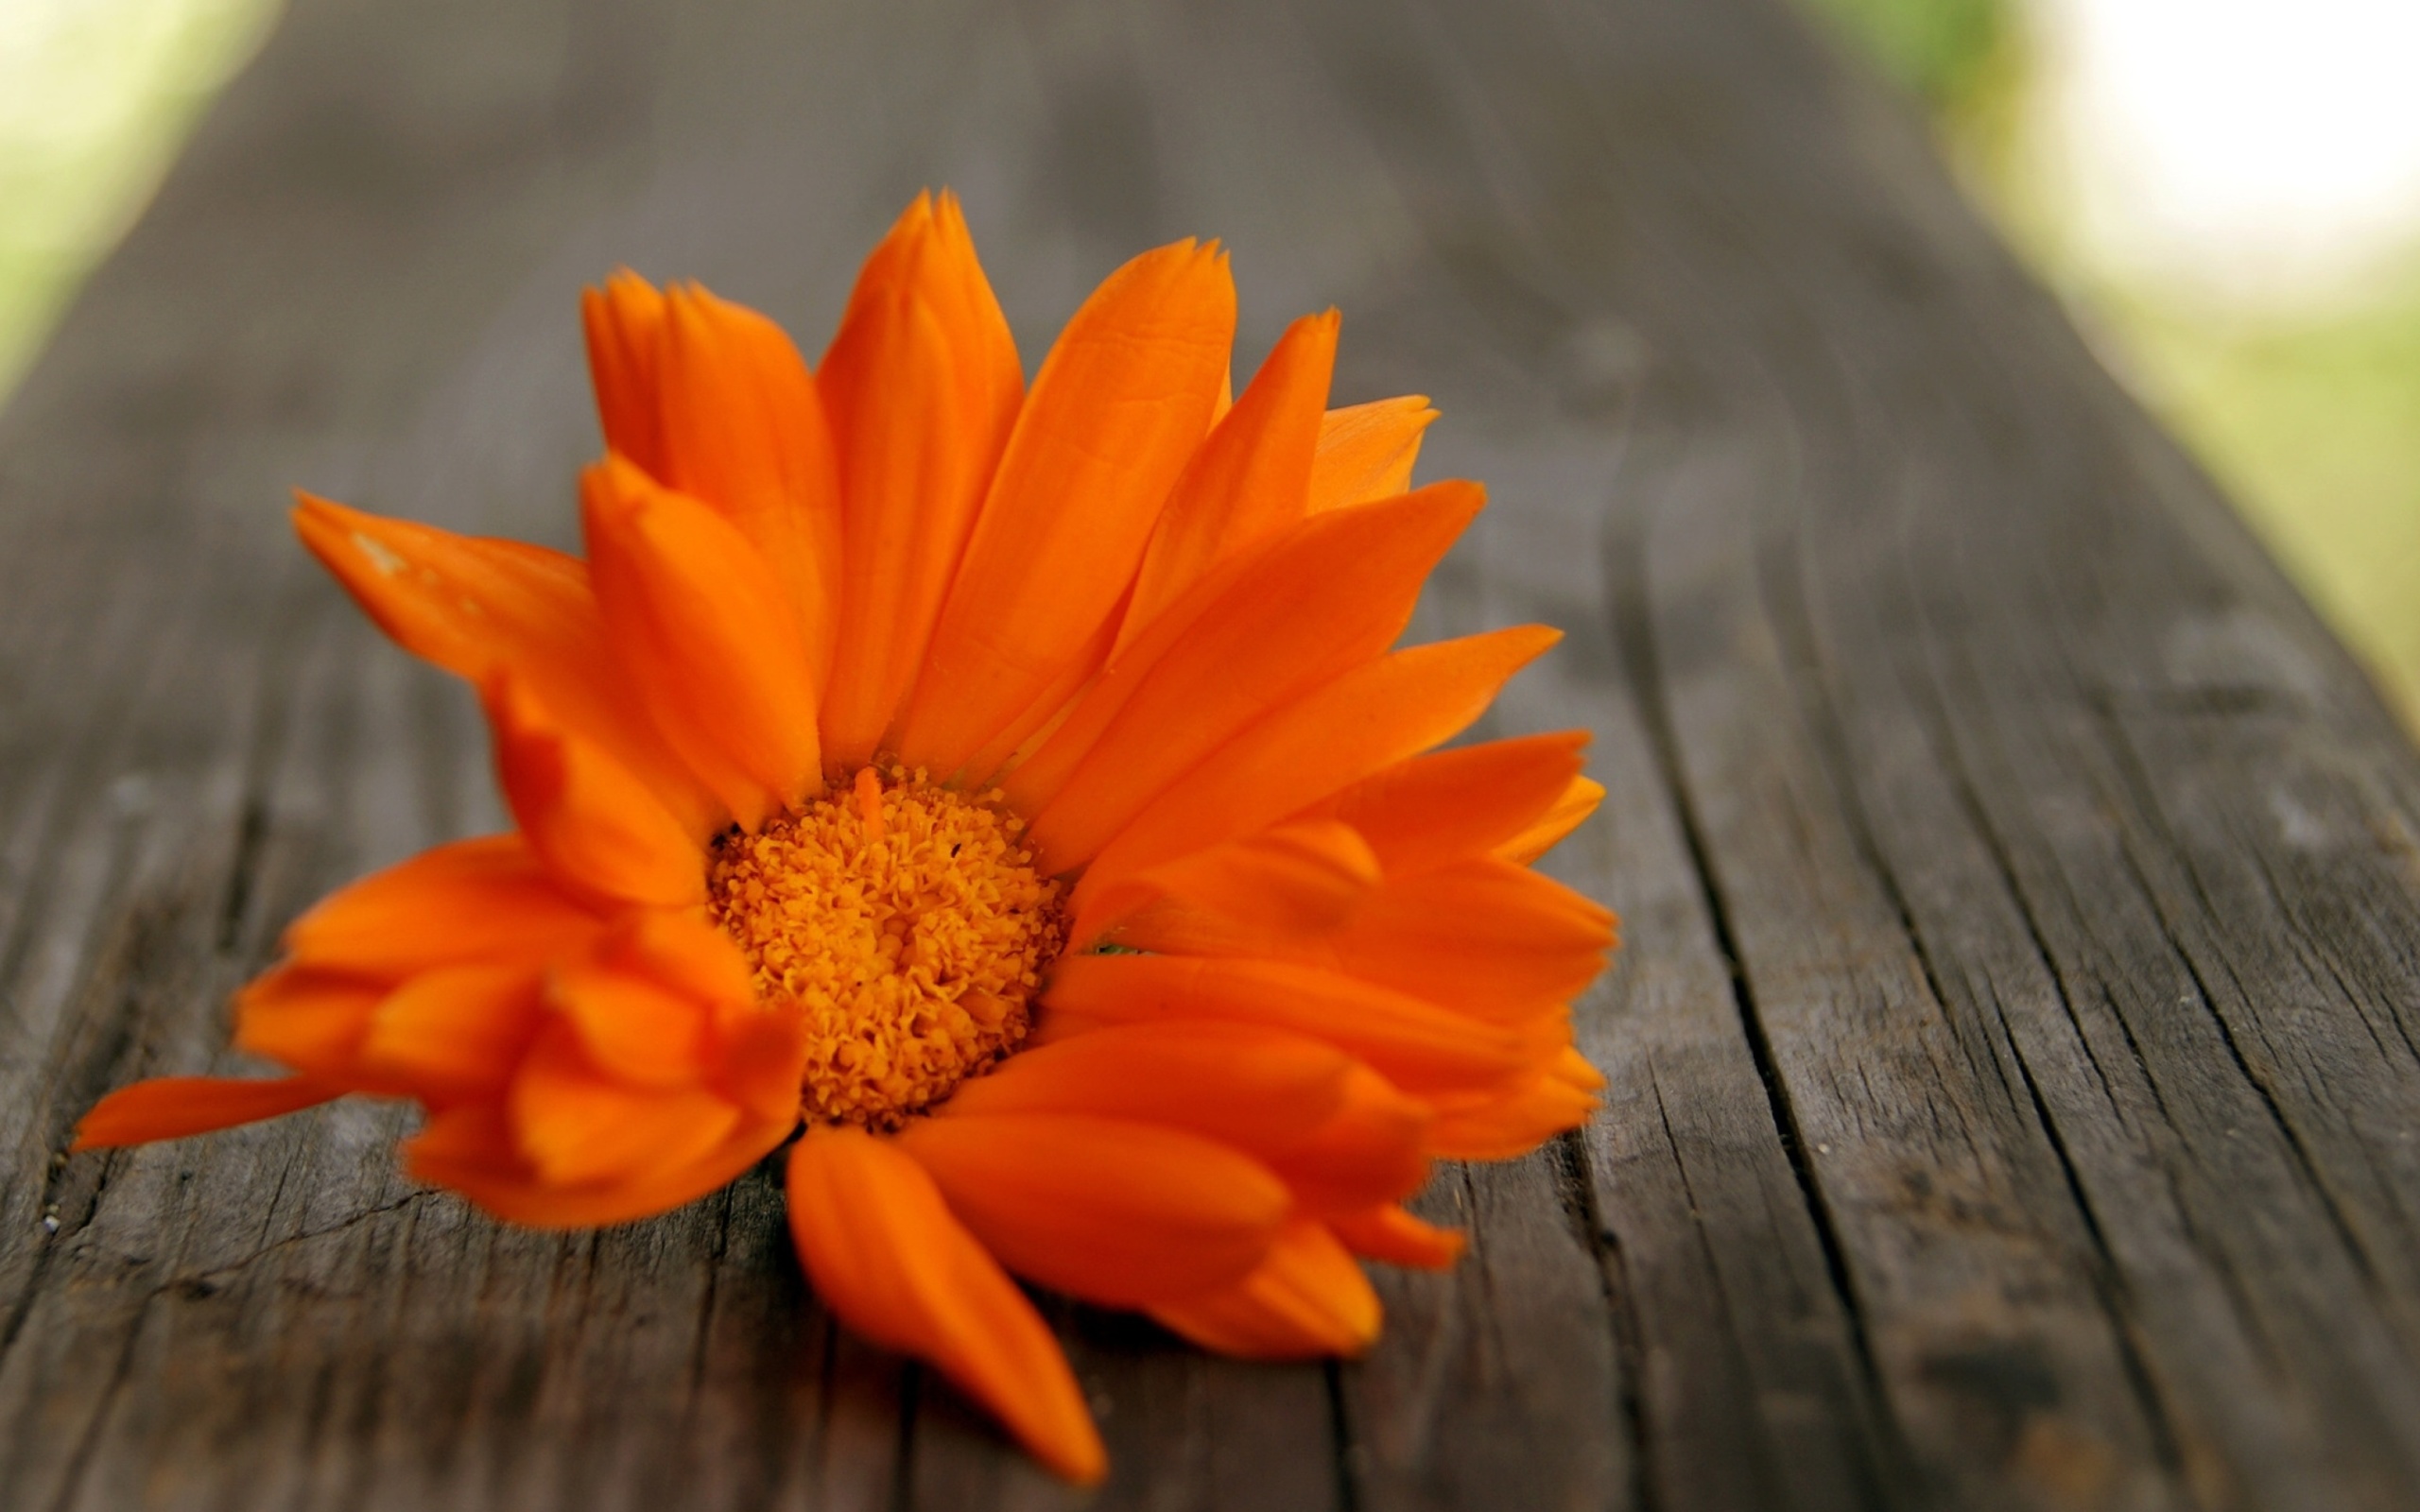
[2015,1090]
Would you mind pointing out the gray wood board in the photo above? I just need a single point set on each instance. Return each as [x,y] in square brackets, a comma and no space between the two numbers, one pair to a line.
[2013,1052]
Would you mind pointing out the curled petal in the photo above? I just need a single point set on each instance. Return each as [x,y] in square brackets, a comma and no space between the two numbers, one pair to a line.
[1388,1234]
[699,623]
[1568,813]
[1118,1212]
[309,1019]
[598,828]
[1450,805]
[884,1254]
[1372,1149]
[454,1034]
[577,1124]
[1306,1301]
[472,1149]
[1510,1124]
[1367,451]
[484,899]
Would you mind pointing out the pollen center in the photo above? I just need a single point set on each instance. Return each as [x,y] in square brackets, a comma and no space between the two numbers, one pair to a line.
[910,926]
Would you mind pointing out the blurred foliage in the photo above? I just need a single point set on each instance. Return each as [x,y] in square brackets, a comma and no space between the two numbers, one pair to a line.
[95,96]
[2309,417]
[2311,422]
[1943,51]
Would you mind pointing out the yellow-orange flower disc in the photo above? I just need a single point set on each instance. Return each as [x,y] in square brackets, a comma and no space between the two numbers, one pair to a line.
[908,925]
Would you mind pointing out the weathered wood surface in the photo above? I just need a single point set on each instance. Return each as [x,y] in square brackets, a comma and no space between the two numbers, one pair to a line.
[2015,1101]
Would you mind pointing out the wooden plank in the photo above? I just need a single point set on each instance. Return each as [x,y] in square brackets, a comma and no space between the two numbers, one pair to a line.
[2013,1057]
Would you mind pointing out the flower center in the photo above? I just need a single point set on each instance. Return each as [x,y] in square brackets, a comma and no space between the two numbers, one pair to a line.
[909,926]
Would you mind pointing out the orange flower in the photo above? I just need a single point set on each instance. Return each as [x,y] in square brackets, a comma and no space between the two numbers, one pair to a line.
[1017,791]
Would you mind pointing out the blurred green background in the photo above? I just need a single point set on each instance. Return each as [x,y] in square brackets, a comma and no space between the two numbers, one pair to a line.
[2226,192]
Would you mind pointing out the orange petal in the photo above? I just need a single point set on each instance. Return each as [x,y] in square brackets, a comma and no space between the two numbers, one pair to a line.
[1306,1301]
[474,605]
[922,386]
[1117,1213]
[1573,1067]
[471,1148]
[1570,811]
[1120,405]
[311,1020]
[1371,1150]
[886,1256]
[624,323]
[632,1029]
[1415,1044]
[1332,594]
[1450,804]
[1243,1085]
[597,826]
[744,431]
[1251,478]
[699,623]
[1390,1234]
[172,1107]
[577,1125]
[1287,882]
[1366,451]
[1510,1124]
[1371,718]
[454,1034]
[482,900]
[1483,935]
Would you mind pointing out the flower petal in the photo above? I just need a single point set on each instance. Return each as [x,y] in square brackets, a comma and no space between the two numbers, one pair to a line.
[1306,1301]
[454,1034]
[744,430]
[1249,479]
[1451,805]
[1119,405]
[1505,1125]
[1287,882]
[1117,1213]
[1542,834]
[311,1020]
[577,1125]
[471,1148]
[886,1255]
[624,323]
[483,900]
[1415,1044]
[1371,718]
[172,1107]
[1482,936]
[1254,1088]
[1372,1149]
[1367,451]
[1390,1234]
[698,621]
[474,605]
[922,386]
[1331,595]
[597,826]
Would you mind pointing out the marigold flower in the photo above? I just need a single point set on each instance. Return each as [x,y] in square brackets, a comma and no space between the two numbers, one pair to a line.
[1011,801]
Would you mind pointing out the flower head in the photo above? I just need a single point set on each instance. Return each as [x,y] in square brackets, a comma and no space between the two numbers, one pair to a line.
[1013,803]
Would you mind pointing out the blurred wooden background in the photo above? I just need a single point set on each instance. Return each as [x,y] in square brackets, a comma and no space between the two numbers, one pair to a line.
[2016,1100]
